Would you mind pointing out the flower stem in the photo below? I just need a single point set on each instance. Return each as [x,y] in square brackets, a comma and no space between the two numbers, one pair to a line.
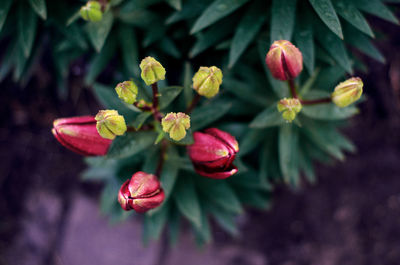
[292,87]
[146,127]
[193,104]
[156,113]
[164,146]
[315,101]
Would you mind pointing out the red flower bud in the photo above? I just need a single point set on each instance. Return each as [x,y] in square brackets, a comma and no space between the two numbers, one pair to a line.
[284,60]
[213,152]
[80,135]
[141,193]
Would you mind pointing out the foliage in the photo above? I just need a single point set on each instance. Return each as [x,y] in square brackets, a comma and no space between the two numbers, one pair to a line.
[232,34]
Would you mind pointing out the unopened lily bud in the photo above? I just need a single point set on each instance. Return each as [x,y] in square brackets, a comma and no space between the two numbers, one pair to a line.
[141,193]
[110,123]
[213,152]
[176,125]
[91,11]
[284,60]
[347,92]
[152,70]
[79,134]
[289,108]
[127,91]
[207,80]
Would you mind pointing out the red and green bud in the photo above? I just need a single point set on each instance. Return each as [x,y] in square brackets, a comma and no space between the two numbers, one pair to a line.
[91,11]
[284,60]
[213,153]
[80,135]
[110,124]
[289,108]
[347,92]
[141,193]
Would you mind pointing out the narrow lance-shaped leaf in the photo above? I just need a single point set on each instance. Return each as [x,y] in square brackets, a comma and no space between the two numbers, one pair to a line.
[128,42]
[206,114]
[130,144]
[377,8]
[4,8]
[288,156]
[98,31]
[283,14]
[326,12]
[304,39]
[217,10]
[40,7]
[246,31]
[27,22]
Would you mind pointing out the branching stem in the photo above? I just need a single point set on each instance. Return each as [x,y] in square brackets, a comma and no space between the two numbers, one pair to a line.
[293,92]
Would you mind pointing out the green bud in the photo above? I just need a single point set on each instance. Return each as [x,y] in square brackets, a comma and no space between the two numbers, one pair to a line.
[289,108]
[207,80]
[91,11]
[127,91]
[347,92]
[152,70]
[110,123]
[176,125]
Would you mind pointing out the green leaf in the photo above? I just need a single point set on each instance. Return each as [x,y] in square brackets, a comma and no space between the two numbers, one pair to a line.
[304,39]
[326,12]
[283,14]
[362,43]
[169,172]
[100,61]
[98,31]
[350,13]
[169,47]
[110,100]
[130,144]
[220,193]
[202,232]
[168,94]
[377,8]
[245,92]
[208,113]
[40,7]
[27,22]
[225,219]
[154,223]
[8,59]
[268,118]
[74,17]
[187,84]
[129,47]
[4,8]
[246,31]
[186,199]
[335,47]
[251,140]
[177,4]
[288,154]
[140,119]
[217,10]
[174,226]
[328,112]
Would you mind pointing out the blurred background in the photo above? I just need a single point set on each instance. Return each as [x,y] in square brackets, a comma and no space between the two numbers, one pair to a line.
[49,216]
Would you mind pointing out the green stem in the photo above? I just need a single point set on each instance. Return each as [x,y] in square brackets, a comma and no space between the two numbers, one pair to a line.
[193,104]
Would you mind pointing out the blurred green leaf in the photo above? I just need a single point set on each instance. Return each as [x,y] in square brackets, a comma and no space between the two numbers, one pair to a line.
[185,197]
[98,31]
[217,10]
[268,118]
[130,144]
[130,54]
[288,153]
[177,4]
[208,113]
[304,39]
[350,13]
[225,219]
[247,30]
[154,223]
[168,94]
[326,12]
[245,92]
[169,172]
[140,119]
[40,7]
[377,8]
[328,111]
[4,8]
[27,22]
[283,13]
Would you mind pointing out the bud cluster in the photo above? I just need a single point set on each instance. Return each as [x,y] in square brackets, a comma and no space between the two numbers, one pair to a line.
[91,11]
[289,108]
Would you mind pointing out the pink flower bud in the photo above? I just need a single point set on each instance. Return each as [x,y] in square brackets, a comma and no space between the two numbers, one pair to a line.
[284,60]
[213,152]
[80,135]
[141,193]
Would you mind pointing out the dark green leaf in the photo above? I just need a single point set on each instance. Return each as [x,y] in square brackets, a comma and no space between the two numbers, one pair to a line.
[202,232]
[4,8]
[246,31]
[177,4]
[168,94]
[154,223]
[283,14]
[217,10]
[130,56]
[328,111]
[350,13]
[140,119]
[108,97]
[328,15]
[169,172]
[377,8]
[40,7]
[208,113]
[288,154]
[130,144]
[98,31]
[246,92]
[303,37]
[174,226]
[251,140]
[225,219]
[186,199]
[169,47]
[27,22]
[268,118]
[100,61]
[187,84]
